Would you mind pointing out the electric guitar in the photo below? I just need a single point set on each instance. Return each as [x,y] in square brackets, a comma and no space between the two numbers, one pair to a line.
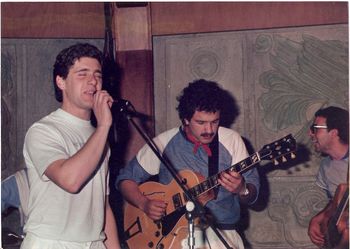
[142,232]
[339,214]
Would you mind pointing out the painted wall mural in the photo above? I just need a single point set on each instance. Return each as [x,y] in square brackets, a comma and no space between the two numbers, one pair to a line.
[303,73]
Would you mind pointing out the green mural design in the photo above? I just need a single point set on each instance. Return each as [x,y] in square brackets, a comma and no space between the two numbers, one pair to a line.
[304,73]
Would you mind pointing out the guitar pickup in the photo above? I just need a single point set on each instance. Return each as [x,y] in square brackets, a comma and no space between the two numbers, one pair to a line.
[177,201]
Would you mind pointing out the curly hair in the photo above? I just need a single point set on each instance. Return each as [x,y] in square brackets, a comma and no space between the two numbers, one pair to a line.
[199,95]
[66,59]
[336,118]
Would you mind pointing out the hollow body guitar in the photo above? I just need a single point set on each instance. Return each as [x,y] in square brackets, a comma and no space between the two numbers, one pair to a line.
[337,217]
[142,232]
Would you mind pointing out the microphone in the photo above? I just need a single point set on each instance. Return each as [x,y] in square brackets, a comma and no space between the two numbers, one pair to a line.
[121,104]
[124,106]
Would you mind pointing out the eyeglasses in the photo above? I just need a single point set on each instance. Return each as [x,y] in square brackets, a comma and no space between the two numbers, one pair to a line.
[314,127]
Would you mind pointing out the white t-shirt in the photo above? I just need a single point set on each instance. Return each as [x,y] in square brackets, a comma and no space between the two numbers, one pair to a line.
[53,212]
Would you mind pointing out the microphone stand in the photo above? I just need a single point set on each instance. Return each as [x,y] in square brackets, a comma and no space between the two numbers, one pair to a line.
[189,216]
[198,210]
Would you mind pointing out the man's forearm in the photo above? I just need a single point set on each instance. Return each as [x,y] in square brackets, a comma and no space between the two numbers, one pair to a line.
[132,194]
[72,173]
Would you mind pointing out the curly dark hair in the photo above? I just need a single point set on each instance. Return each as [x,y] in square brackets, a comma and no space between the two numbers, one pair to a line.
[336,118]
[66,59]
[199,95]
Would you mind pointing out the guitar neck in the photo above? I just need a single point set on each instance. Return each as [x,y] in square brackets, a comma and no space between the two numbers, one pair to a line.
[270,151]
[212,181]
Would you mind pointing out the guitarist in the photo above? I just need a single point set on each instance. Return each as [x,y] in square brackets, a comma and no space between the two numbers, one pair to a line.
[203,146]
[330,135]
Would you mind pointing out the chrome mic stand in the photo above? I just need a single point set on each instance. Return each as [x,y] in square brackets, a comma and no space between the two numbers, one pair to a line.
[190,217]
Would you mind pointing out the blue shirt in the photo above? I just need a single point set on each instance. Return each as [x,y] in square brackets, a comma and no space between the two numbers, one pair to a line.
[9,193]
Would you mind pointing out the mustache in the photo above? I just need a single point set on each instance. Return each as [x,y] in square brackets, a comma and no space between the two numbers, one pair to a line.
[207,134]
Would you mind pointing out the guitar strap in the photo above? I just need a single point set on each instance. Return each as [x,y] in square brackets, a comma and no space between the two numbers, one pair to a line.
[213,160]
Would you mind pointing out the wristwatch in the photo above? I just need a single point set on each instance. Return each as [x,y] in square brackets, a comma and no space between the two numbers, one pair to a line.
[244,191]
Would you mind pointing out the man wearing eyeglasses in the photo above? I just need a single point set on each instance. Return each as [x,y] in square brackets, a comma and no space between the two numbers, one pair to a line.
[330,136]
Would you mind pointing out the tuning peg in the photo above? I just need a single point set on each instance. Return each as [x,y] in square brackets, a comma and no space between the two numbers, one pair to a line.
[275,162]
[284,159]
[292,155]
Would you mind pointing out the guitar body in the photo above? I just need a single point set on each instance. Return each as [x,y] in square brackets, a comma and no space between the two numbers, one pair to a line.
[336,218]
[143,232]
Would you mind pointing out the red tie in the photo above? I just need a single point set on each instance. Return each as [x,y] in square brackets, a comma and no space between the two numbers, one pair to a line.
[197,144]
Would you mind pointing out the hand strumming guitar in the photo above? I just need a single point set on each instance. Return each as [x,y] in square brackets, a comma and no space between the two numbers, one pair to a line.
[155,209]
[315,231]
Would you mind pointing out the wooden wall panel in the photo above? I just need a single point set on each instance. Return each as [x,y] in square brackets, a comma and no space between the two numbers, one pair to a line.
[132,28]
[178,17]
[52,20]
[86,20]
[137,87]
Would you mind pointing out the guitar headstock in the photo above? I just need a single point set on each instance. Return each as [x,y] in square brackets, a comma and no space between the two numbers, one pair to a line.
[280,150]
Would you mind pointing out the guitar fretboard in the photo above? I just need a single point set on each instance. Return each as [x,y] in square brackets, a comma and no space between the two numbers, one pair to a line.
[212,181]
